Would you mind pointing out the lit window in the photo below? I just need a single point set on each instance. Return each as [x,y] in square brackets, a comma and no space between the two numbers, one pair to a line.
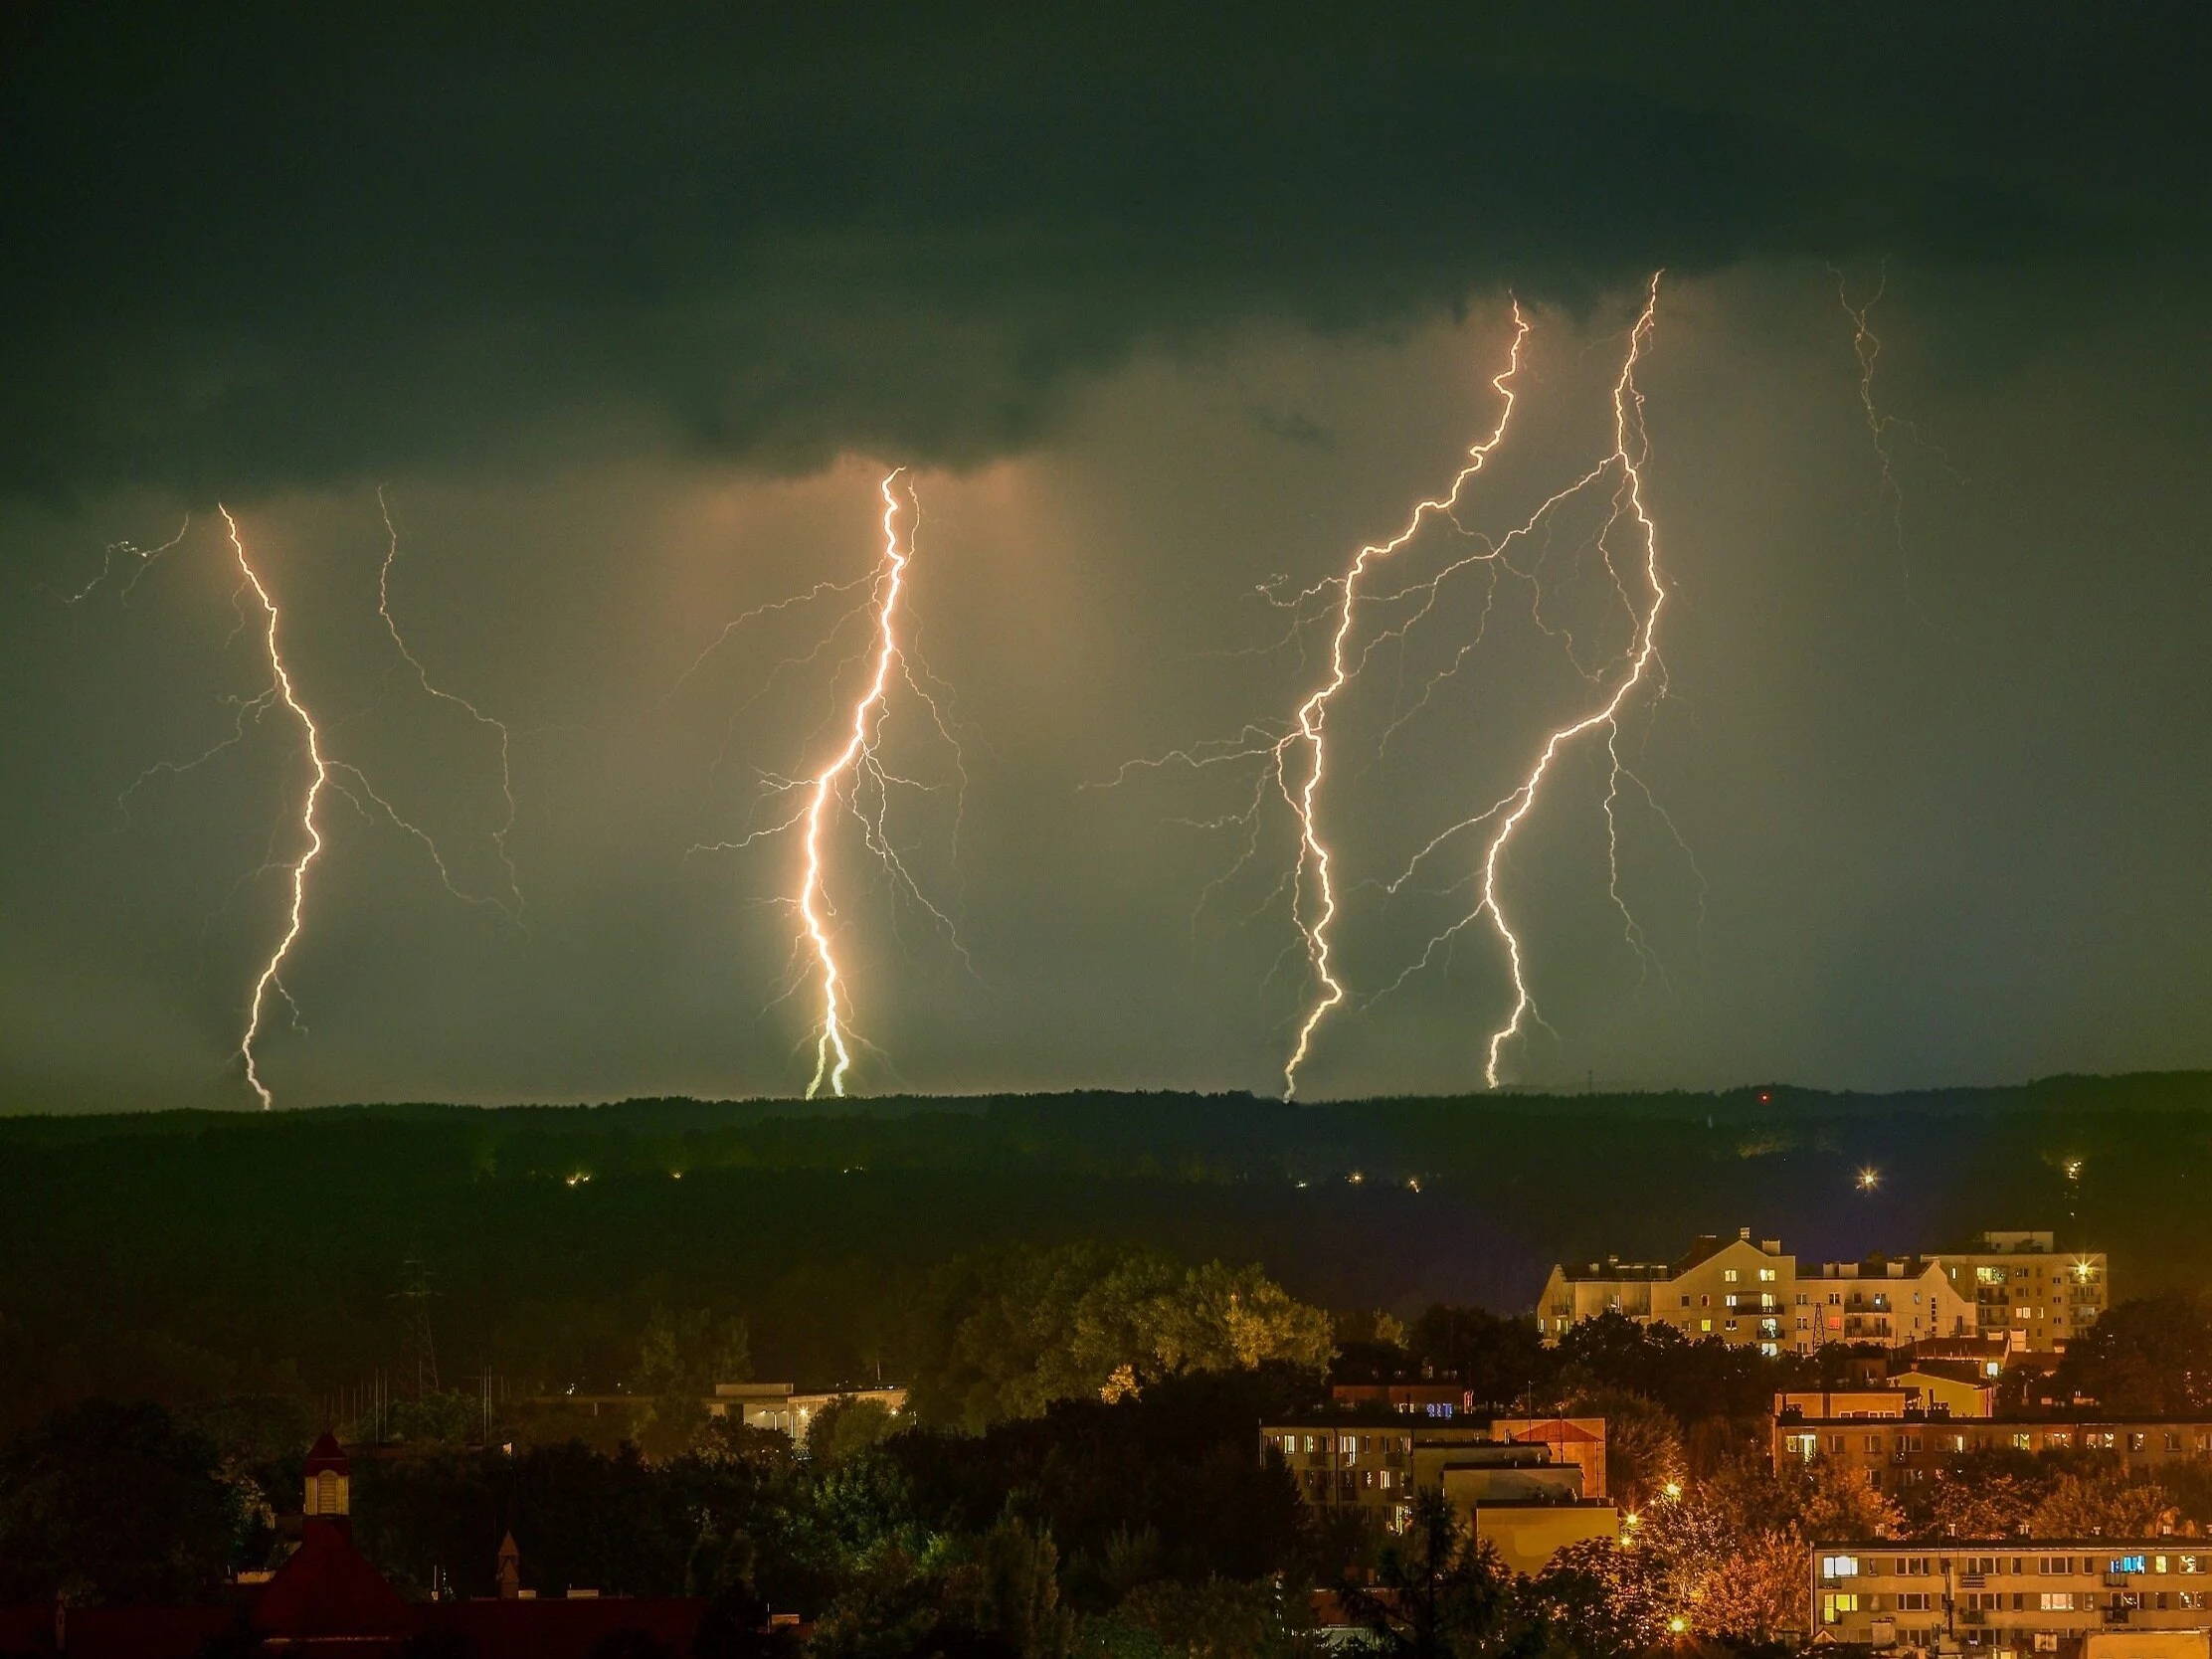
[2058,1601]
[1728,1275]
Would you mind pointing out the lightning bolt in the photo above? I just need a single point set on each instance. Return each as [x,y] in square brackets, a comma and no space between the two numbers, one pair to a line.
[1630,448]
[1294,761]
[1866,347]
[890,579]
[1310,728]
[146,557]
[512,903]
[854,779]
[282,685]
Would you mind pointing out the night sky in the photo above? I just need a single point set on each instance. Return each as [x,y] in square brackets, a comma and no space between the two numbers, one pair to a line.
[628,311]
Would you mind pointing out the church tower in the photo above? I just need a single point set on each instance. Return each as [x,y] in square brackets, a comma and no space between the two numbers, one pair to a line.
[329,1481]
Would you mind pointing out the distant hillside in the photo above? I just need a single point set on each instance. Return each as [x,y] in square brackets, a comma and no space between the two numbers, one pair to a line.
[192,1252]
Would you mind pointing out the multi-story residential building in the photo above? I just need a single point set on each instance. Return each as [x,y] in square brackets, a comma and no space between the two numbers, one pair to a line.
[1742,1292]
[1895,1452]
[2021,1282]
[2024,1598]
[1516,1492]
[1889,1300]
[1746,1293]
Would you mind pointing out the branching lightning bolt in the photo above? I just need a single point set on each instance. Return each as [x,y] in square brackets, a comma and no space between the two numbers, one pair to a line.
[1866,347]
[890,579]
[1506,816]
[1312,727]
[512,903]
[146,557]
[283,688]
[1293,760]
[854,780]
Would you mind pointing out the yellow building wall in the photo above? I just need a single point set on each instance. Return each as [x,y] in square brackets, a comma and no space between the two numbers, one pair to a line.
[1527,1538]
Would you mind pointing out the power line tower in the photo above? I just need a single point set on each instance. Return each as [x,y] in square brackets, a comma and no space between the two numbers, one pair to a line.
[418,1350]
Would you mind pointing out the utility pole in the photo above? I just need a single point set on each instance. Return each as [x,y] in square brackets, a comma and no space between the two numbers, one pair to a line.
[416,1348]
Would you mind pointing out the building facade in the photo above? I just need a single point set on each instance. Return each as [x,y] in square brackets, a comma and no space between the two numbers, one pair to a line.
[1745,1293]
[1742,1292]
[2021,1282]
[1512,1488]
[1902,1451]
[1893,1301]
[2024,1598]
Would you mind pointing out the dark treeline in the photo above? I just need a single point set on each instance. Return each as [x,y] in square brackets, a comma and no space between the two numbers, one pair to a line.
[1138,1527]
[182,1257]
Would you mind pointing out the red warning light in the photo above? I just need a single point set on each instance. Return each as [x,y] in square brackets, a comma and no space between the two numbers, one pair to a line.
[1763,1097]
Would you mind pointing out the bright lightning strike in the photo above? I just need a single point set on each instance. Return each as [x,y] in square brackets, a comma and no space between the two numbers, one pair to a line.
[281,683]
[1293,761]
[1629,447]
[891,578]
[1313,718]
[854,781]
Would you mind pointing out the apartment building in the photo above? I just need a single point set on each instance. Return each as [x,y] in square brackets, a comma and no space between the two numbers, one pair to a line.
[1745,1293]
[2021,1282]
[1889,1300]
[1742,1292]
[1516,1492]
[2028,1597]
[1895,1452]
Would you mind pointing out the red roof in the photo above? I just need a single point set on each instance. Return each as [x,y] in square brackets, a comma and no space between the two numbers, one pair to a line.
[326,1453]
[329,1588]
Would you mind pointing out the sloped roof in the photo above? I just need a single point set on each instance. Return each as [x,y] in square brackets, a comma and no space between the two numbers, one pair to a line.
[329,1588]
[326,1453]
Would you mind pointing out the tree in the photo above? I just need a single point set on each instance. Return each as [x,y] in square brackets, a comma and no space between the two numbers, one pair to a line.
[2110,1505]
[1028,1327]
[1983,1504]
[1439,1590]
[1835,1503]
[1499,1360]
[681,1357]
[1643,1445]
[107,1504]
[2151,1355]
[846,1427]
[1603,1601]
[1219,1618]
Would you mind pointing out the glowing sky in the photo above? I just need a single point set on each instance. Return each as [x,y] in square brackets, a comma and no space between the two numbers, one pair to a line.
[630,323]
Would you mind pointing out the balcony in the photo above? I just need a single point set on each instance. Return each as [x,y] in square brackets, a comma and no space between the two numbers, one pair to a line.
[2116,1616]
[1973,1581]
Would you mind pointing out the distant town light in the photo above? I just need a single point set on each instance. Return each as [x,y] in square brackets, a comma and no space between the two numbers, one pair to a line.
[2072,1167]
[1355,1178]
[1869,1180]
[1678,1624]
[579,1178]
[1673,1489]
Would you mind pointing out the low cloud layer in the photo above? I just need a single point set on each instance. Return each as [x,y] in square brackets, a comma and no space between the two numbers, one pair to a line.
[254,247]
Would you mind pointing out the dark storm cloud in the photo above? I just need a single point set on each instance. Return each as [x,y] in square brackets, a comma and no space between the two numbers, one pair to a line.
[253,247]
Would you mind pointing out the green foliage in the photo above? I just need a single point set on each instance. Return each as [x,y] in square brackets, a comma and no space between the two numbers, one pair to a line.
[846,1427]
[2114,1504]
[108,1503]
[2150,1356]
[1217,1618]
[1026,1326]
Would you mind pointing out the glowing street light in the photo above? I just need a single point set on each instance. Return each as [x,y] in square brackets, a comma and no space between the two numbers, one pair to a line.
[1869,1180]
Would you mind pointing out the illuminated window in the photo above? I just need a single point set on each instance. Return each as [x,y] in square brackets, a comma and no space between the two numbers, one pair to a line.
[2058,1601]
[1728,1275]
[1839,1567]
[2126,1564]
[1836,1603]
[1767,1275]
